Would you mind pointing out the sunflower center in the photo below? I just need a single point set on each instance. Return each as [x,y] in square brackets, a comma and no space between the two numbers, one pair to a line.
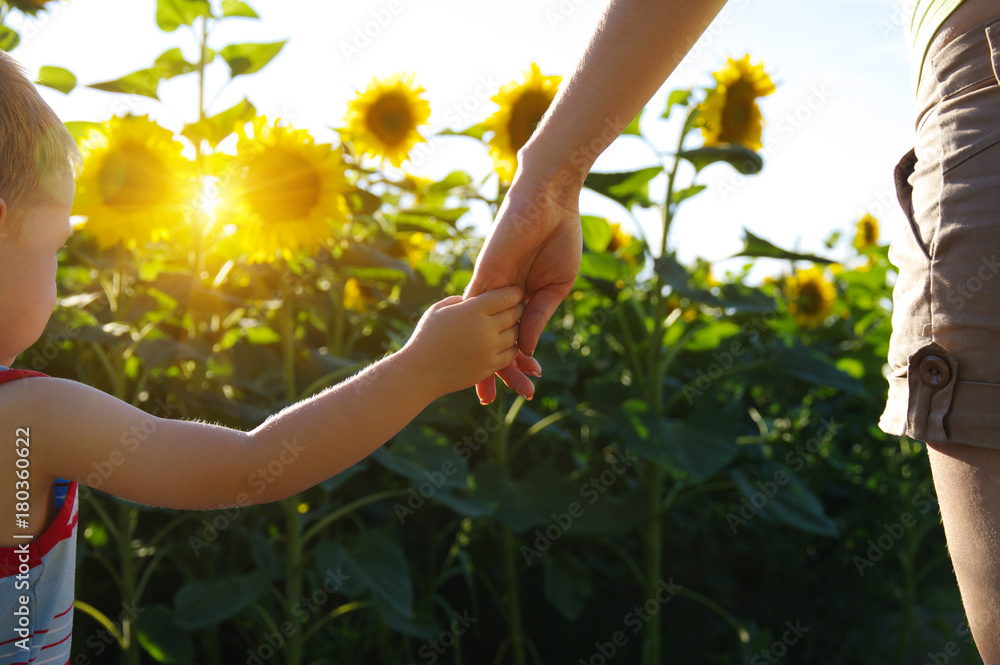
[133,176]
[390,118]
[524,117]
[810,299]
[738,109]
[282,186]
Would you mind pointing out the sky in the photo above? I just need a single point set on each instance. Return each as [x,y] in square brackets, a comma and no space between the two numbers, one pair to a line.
[841,117]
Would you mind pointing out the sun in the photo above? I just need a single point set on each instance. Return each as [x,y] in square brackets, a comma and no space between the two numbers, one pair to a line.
[384,120]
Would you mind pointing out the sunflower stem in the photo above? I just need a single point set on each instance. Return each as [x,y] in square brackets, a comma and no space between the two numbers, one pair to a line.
[203,47]
[288,343]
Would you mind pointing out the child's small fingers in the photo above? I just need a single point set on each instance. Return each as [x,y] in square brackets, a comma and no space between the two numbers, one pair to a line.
[500,300]
[508,338]
[507,318]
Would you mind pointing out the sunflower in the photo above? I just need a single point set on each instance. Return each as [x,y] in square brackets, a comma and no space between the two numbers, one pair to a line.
[383,120]
[867,235]
[810,297]
[622,244]
[356,297]
[521,107]
[729,113]
[136,187]
[414,247]
[284,190]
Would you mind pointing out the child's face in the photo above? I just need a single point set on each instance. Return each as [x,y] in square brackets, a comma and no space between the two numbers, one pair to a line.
[28,270]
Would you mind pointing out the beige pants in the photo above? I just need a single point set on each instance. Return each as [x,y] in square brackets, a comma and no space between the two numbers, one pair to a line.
[944,352]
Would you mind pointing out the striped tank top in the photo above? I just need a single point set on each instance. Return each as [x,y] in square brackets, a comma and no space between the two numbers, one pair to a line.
[37,578]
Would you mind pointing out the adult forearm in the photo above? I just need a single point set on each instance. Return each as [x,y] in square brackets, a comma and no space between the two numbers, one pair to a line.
[632,51]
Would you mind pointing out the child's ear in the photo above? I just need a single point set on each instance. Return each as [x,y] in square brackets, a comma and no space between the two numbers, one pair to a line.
[3,216]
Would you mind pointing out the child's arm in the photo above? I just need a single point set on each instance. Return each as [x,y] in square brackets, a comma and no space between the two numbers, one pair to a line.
[78,431]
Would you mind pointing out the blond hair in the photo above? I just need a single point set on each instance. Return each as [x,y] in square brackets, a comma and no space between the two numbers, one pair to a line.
[35,147]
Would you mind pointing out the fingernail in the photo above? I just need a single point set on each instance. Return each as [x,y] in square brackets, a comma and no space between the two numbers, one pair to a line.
[483,402]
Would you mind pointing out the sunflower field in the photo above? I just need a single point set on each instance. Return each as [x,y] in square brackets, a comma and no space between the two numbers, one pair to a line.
[699,478]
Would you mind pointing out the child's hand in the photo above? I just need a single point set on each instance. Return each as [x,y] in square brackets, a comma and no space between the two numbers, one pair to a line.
[458,343]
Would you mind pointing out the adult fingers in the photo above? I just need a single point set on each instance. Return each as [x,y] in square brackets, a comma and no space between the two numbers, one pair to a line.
[536,315]
[517,381]
[528,365]
[486,390]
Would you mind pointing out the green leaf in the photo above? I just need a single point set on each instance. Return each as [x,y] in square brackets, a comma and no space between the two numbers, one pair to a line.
[757,246]
[476,131]
[9,39]
[596,233]
[696,448]
[142,82]
[171,14]
[627,188]
[375,562]
[602,266]
[568,584]
[778,496]
[686,193]
[172,63]
[205,603]
[676,276]
[163,638]
[712,335]
[217,127]
[676,98]
[57,78]
[362,202]
[451,181]
[633,127]
[249,58]
[237,8]
[424,462]
[810,365]
[262,335]
[743,159]
[80,129]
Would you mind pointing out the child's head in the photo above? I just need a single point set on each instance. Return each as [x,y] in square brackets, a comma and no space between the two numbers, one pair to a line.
[38,159]
[36,151]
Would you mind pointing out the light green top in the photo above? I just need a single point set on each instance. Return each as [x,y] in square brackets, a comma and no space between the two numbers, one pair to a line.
[927,17]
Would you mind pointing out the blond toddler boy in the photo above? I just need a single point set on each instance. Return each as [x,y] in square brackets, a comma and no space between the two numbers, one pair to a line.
[53,429]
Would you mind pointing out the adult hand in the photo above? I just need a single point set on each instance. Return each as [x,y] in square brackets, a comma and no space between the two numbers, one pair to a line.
[535,242]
